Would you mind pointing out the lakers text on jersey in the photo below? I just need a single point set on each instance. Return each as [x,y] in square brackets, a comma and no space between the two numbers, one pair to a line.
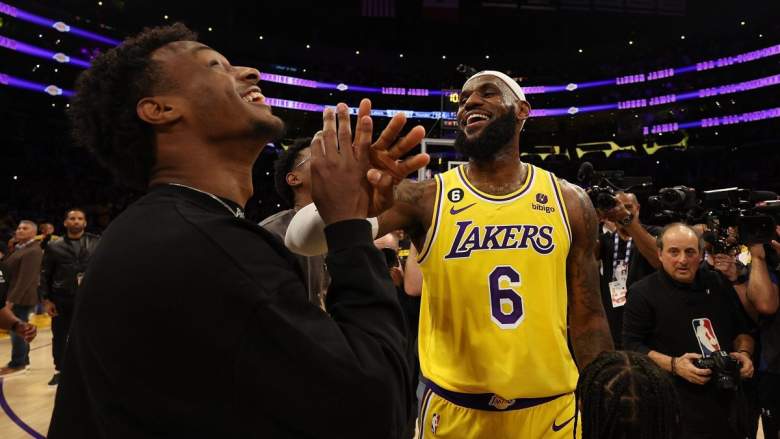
[494,302]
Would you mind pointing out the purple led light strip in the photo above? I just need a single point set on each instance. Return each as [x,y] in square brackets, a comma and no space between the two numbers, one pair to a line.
[665,99]
[58,25]
[60,57]
[752,116]
[540,89]
[531,89]
[295,105]
[543,112]
[52,90]
[733,119]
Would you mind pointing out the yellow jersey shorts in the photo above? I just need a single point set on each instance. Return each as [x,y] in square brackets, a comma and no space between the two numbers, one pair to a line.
[448,414]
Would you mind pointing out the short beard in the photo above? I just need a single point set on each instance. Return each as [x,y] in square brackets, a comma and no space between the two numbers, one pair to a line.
[491,140]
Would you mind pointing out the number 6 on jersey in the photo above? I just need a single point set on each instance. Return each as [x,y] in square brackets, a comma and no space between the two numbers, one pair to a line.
[503,298]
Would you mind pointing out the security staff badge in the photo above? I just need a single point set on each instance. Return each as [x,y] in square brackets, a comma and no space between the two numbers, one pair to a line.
[617,288]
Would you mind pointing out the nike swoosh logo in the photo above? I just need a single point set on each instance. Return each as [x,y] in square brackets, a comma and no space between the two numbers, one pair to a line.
[560,427]
[454,211]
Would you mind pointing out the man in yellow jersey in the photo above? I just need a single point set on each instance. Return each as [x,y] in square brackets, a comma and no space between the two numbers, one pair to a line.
[507,252]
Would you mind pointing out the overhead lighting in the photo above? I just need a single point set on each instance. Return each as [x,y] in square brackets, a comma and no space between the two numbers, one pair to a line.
[100,3]
[357,52]
[580,50]
[308,46]
[16,177]
[630,43]
[487,56]
[165,16]
[210,29]
[444,57]
[261,37]
[760,35]
[742,23]
[40,35]
[400,55]
[682,37]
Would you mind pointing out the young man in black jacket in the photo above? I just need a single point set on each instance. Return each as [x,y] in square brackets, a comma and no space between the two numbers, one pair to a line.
[202,327]
[64,264]
[682,313]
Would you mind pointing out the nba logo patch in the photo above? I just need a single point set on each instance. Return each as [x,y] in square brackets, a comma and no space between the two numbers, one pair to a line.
[705,335]
[435,422]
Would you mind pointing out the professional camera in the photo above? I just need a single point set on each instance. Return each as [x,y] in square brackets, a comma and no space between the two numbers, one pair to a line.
[674,198]
[676,204]
[734,218]
[725,370]
[601,186]
[602,197]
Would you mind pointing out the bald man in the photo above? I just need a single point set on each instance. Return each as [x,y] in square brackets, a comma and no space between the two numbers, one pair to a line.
[506,249]
[680,314]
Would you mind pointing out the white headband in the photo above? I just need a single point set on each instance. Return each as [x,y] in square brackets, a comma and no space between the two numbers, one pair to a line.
[511,83]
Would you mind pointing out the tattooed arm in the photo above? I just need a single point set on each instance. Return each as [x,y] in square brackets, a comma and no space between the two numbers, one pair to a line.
[588,327]
[412,210]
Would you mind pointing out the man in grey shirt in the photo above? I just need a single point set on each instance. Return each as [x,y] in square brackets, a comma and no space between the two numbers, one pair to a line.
[292,180]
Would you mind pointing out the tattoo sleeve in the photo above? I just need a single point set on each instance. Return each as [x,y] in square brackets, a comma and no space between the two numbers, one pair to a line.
[409,192]
[409,212]
[588,327]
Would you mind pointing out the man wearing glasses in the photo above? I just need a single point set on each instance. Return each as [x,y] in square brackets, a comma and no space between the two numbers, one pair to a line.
[292,181]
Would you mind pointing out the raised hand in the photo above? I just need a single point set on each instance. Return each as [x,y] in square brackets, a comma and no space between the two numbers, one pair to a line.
[387,168]
[338,166]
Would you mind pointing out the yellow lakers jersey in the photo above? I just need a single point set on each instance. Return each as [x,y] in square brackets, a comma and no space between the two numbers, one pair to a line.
[494,302]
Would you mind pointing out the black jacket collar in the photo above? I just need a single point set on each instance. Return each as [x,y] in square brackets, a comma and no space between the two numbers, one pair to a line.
[697,285]
[201,199]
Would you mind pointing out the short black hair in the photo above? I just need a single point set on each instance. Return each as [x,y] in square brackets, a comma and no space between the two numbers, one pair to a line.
[624,395]
[103,111]
[75,209]
[284,164]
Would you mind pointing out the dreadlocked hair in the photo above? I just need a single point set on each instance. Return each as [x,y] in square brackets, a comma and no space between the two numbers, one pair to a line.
[103,111]
[624,395]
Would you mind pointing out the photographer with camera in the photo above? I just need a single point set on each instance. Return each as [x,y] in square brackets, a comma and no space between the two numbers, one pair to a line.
[691,324]
[627,254]
[757,287]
